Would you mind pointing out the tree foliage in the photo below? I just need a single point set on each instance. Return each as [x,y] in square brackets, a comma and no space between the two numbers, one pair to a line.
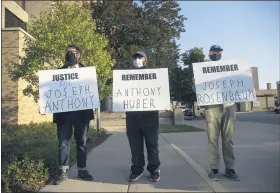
[151,26]
[63,25]
[182,78]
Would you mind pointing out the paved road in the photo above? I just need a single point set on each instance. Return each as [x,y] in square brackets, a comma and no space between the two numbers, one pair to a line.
[260,117]
[184,167]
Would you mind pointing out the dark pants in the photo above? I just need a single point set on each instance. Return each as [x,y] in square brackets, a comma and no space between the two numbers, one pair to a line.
[136,135]
[64,133]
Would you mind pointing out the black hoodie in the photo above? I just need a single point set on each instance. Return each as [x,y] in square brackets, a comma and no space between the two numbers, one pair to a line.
[143,118]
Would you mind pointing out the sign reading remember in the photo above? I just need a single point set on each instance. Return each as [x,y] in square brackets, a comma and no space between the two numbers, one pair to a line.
[66,90]
[141,90]
[224,81]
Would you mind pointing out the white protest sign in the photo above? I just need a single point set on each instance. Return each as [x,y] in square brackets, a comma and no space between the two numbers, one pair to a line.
[141,90]
[224,81]
[66,90]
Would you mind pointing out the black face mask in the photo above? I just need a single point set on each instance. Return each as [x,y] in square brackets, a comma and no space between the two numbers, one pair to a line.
[70,58]
[215,57]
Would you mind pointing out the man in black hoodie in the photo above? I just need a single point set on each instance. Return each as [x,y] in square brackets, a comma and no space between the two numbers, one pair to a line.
[65,122]
[143,126]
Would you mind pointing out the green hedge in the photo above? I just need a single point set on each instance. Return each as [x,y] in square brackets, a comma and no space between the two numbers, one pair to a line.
[29,155]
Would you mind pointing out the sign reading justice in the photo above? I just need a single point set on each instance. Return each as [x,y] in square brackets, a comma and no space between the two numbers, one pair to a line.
[224,81]
[141,90]
[66,90]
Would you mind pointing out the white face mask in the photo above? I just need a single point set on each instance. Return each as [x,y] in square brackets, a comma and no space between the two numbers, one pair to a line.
[138,63]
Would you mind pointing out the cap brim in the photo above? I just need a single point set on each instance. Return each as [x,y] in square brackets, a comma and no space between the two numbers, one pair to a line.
[139,54]
[216,49]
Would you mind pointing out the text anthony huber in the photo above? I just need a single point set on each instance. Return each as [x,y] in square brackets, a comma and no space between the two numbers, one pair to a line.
[139,98]
[69,99]
[215,92]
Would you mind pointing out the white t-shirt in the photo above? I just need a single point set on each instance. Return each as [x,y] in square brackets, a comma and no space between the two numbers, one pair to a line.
[75,66]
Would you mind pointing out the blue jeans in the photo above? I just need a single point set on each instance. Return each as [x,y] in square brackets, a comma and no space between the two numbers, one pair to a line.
[64,133]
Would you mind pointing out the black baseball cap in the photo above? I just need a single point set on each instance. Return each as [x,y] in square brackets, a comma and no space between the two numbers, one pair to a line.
[141,53]
[216,48]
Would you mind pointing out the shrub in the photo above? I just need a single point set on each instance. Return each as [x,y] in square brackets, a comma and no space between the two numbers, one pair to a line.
[29,155]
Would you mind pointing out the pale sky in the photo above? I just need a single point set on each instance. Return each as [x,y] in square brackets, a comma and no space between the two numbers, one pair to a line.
[244,29]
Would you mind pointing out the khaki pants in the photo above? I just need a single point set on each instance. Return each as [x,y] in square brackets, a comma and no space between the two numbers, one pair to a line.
[220,119]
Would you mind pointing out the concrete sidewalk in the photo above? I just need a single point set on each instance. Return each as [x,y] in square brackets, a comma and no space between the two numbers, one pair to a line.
[185,165]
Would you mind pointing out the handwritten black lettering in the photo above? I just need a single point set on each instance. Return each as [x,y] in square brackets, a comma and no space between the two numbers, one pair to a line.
[138,104]
[240,82]
[224,95]
[153,90]
[152,103]
[208,101]
[231,96]
[119,93]
[225,83]
[212,97]
[77,105]
[47,106]
[55,106]
[50,94]
[218,97]
[231,82]
[138,91]
[70,103]
[131,103]
[211,85]
[199,99]
[158,88]
[57,93]
[251,92]
[144,103]
[204,88]
[126,92]
[147,91]
[237,95]
[217,84]
[85,102]
[87,90]
[91,99]
[74,91]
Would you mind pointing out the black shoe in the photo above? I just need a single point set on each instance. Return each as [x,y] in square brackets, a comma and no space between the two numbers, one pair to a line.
[230,173]
[84,175]
[155,176]
[213,175]
[62,176]
[134,177]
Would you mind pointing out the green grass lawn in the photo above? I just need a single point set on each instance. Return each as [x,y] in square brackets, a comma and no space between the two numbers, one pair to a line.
[178,128]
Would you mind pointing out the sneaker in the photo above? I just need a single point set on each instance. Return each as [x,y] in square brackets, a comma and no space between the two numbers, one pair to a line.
[230,173]
[134,177]
[84,175]
[155,176]
[214,175]
[62,176]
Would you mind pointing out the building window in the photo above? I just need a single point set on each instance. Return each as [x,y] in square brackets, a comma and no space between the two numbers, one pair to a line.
[11,20]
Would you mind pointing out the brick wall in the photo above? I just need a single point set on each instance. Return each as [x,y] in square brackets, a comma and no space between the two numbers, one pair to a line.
[16,108]
[10,51]
[36,7]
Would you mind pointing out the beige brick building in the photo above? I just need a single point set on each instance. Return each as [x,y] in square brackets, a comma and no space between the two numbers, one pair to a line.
[17,108]
[266,98]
